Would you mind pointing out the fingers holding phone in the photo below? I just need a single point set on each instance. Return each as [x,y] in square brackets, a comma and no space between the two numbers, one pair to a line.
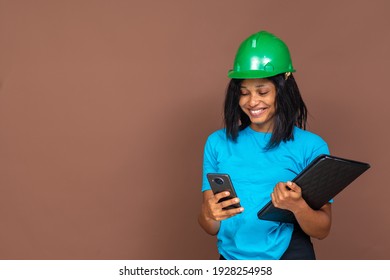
[220,210]
[227,202]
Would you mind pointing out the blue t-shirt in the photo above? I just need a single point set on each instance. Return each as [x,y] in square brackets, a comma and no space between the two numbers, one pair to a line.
[254,172]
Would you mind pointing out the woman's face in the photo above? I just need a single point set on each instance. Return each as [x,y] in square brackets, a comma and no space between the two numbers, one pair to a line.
[257,100]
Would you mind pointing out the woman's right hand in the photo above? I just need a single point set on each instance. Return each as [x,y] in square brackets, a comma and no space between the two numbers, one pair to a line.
[212,211]
[214,208]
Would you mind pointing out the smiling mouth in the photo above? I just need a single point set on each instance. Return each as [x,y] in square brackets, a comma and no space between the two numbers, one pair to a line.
[258,112]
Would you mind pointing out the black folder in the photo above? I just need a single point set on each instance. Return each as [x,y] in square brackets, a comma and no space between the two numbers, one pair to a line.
[320,181]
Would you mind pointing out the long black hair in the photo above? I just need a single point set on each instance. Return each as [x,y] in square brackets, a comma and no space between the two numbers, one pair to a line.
[290,110]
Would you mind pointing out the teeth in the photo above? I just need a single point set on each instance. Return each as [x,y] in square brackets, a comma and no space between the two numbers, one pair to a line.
[257,111]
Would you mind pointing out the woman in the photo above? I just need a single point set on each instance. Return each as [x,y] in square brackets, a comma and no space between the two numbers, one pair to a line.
[263,146]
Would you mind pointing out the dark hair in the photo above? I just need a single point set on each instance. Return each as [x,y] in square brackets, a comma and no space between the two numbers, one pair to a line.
[290,110]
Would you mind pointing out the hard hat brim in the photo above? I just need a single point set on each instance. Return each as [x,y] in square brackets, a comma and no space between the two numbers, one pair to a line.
[254,74]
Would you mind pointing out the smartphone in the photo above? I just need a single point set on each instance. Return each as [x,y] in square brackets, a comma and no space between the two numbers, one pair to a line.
[221,182]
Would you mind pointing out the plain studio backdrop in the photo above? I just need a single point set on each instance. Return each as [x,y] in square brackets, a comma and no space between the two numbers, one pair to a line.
[105,107]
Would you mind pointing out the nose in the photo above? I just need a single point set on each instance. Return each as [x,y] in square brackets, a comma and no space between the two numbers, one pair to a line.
[254,99]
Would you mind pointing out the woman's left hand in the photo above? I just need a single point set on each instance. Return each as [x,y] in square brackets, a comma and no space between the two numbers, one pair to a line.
[287,195]
[315,223]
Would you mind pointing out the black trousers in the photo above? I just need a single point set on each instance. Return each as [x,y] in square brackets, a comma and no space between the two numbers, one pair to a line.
[300,247]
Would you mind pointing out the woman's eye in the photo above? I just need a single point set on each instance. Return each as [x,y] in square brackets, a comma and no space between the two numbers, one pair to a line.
[263,93]
[244,93]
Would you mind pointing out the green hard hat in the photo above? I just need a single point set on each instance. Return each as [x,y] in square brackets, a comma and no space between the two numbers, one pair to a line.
[261,55]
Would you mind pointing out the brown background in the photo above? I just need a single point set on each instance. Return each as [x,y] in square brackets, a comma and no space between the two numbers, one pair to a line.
[105,107]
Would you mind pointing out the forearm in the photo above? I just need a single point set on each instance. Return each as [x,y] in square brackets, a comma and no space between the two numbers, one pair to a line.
[315,223]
